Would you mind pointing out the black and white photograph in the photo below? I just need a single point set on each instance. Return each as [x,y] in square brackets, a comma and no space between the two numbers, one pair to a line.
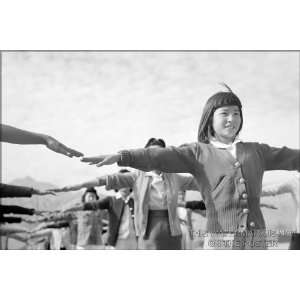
[170,127]
[150,150]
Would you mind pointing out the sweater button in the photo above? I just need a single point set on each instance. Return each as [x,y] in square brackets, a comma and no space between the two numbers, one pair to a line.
[245,196]
[252,224]
[242,180]
[237,164]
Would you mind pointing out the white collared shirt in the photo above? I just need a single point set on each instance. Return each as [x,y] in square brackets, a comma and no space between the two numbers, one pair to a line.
[229,147]
[157,192]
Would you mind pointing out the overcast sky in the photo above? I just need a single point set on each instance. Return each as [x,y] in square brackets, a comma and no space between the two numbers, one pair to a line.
[104,102]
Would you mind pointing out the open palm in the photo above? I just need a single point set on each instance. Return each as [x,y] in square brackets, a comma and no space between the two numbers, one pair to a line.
[101,160]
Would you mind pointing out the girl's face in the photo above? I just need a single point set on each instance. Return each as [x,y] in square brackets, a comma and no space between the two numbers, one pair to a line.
[226,123]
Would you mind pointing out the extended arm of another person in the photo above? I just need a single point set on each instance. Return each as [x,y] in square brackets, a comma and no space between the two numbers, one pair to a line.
[60,224]
[56,217]
[8,190]
[21,237]
[15,209]
[276,189]
[10,134]
[93,205]
[79,186]
[10,229]
[270,206]
[197,206]
[113,181]
[292,187]
[47,232]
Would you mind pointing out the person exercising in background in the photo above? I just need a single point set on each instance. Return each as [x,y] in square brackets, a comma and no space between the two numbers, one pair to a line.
[89,223]
[291,187]
[120,207]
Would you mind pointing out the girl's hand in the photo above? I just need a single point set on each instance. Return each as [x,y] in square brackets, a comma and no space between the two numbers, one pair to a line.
[102,160]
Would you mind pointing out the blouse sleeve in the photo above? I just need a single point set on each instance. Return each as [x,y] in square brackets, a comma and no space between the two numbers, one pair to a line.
[120,180]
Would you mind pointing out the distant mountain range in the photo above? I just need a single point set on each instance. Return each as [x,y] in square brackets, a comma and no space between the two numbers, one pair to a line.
[50,203]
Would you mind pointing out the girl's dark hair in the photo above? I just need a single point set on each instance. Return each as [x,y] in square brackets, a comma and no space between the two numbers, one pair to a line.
[216,101]
[155,142]
[89,190]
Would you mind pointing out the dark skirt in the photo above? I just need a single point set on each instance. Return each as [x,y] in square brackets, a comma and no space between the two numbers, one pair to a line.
[158,234]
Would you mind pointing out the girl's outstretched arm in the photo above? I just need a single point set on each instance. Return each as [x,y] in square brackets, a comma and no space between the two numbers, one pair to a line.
[280,158]
[170,160]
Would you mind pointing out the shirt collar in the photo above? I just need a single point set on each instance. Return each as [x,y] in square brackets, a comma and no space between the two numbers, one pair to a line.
[153,174]
[218,144]
[119,196]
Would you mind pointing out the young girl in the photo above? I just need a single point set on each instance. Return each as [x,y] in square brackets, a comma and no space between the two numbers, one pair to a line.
[229,172]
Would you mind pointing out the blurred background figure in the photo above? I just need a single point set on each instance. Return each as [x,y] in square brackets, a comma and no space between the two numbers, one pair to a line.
[10,134]
[89,224]
[290,186]
[121,233]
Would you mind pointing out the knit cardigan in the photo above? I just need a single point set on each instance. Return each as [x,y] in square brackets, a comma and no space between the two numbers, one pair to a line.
[231,187]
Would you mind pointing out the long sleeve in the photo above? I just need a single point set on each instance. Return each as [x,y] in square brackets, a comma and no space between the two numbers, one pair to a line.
[59,224]
[169,160]
[280,158]
[14,209]
[64,216]
[4,219]
[195,205]
[120,180]
[7,190]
